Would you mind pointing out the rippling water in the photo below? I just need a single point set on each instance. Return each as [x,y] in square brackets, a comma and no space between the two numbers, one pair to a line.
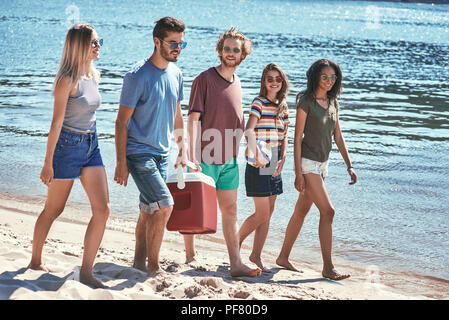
[394,115]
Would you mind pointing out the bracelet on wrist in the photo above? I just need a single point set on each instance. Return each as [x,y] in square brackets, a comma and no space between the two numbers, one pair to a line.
[350,167]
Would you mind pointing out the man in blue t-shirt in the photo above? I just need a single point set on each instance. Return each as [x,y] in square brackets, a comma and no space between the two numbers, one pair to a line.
[149,112]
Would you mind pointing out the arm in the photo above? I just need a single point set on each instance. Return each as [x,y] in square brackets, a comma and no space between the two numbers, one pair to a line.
[301,117]
[179,137]
[341,144]
[251,140]
[121,139]
[284,148]
[62,91]
[194,133]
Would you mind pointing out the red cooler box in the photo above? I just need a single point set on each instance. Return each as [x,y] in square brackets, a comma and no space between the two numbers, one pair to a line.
[195,209]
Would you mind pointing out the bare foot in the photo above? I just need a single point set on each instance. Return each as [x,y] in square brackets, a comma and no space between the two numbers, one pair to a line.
[190,259]
[194,263]
[334,275]
[286,264]
[140,266]
[244,271]
[91,281]
[258,262]
[39,267]
[155,272]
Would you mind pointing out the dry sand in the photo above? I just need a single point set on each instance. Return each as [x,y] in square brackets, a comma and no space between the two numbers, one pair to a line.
[63,252]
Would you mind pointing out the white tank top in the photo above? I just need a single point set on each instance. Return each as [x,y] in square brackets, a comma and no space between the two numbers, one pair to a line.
[80,112]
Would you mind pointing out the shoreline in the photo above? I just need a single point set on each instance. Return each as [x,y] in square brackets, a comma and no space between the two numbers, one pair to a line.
[62,254]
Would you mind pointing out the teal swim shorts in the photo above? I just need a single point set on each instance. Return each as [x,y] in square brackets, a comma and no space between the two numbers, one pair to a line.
[226,176]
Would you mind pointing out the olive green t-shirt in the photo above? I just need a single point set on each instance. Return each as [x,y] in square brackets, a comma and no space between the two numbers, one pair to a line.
[319,128]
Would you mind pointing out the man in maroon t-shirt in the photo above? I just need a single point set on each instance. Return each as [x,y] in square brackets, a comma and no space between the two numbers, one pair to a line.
[215,127]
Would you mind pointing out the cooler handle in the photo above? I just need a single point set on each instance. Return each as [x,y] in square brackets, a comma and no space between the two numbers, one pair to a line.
[180,176]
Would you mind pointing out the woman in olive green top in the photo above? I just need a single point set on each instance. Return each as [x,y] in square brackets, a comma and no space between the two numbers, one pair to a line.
[316,123]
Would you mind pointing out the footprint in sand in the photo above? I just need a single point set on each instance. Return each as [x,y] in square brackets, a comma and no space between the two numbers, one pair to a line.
[192,292]
[241,294]
[161,286]
[210,282]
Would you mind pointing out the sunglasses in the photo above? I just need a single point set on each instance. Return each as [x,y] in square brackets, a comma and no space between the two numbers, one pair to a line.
[173,45]
[332,78]
[277,79]
[228,50]
[95,43]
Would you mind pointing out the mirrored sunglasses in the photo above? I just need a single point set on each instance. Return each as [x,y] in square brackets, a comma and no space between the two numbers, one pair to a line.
[332,78]
[228,50]
[173,44]
[95,43]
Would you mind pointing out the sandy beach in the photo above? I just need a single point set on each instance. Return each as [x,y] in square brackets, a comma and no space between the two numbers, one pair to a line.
[210,280]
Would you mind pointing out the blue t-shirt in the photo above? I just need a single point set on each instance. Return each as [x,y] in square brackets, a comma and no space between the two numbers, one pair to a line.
[154,94]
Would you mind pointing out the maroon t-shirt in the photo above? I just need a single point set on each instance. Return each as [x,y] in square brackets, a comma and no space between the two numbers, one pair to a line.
[222,123]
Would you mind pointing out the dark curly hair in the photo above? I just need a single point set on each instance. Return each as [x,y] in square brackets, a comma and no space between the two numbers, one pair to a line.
[313,79]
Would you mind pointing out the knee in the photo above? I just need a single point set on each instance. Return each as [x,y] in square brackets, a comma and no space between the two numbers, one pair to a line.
[266,218]
[229,210]
[102,212]
[328,214]
[164,213]
[51,212]
[301,211]
[263,216]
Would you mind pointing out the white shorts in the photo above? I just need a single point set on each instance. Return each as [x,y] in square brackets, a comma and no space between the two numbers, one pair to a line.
[311,166]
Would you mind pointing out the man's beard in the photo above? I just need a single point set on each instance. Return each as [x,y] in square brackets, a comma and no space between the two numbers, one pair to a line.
[166,55]
[230,64]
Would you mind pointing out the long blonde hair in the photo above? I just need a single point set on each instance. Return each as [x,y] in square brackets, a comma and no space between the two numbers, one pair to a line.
[281,96]
[76,52]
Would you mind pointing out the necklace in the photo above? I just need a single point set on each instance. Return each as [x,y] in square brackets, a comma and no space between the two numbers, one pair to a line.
[321,99]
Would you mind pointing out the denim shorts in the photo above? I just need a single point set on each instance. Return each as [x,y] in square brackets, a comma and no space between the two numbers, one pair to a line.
[259,182]
[75,151]
[149,172]
[311,166]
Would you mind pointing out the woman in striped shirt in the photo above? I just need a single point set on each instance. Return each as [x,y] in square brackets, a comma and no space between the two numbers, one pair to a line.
[267,126]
